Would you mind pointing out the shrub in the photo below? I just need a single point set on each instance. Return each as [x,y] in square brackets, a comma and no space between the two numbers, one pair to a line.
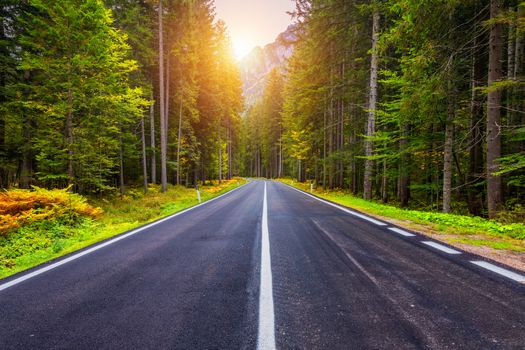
[23,207]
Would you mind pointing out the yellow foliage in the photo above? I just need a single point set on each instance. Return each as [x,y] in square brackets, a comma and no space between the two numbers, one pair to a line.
[216,188]
[21,207]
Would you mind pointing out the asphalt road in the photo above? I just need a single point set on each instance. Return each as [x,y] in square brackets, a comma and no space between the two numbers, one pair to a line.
[245,272]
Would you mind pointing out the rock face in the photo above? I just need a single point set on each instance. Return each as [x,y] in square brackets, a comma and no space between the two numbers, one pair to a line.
[256,66]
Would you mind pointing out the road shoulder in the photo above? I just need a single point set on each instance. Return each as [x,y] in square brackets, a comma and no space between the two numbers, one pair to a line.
[514,259]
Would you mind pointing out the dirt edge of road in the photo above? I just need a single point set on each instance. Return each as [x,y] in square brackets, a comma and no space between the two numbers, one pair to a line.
[510,258]
[506,257]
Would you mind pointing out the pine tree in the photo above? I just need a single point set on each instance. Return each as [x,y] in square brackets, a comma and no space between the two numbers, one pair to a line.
[79,95]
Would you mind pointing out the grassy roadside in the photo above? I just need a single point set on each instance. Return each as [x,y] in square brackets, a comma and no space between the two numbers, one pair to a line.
[44,240]
[454,229]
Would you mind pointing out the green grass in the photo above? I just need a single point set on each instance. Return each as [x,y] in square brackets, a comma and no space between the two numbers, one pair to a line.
[469,229]
[42,241]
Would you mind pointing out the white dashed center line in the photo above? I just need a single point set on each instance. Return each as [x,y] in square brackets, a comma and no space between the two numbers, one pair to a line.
[441,247]
[401,232]
[504,272]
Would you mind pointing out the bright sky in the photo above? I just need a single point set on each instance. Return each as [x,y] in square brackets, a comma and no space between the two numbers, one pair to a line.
[253,22]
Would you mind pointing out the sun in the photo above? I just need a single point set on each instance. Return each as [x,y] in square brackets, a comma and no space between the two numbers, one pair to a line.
[241,48]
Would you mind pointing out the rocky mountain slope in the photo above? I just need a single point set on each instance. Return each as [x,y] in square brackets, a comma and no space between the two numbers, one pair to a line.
[256,66]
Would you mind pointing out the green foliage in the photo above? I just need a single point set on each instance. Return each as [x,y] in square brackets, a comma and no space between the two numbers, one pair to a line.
[78,95]
[513,164]
[429,136]
[78,79]
[49,236]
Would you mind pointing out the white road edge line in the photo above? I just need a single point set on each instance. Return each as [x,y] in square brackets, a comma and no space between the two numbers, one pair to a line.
[377,222]
[266,335]
[441,247]
[105,244]
[504,272]
[401,232]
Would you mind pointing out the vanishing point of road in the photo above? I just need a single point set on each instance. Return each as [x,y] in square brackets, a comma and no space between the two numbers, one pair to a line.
[264,267]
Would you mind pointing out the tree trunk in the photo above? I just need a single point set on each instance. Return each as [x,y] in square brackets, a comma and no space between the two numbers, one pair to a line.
[511,50]
[229,150]
[341,137]
[280,150]
[4,182]
[331,135]
[384,184]
[251,165]
[144,160]
[475,136]
[26,171]
[179,141]
[370,131]
[163,131]
[519,48]
[167,110]
[518,75]
[220,151]
[121,166]
[447,158]
[494,111]
[324,149]
[404,177]
[511,93]
[259,170]
[69,135]
[152,140]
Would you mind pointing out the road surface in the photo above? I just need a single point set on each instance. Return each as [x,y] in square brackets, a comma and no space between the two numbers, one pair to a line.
[265,266]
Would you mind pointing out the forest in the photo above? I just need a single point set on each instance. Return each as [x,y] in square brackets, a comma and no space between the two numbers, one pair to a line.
[100,95]
[416,103]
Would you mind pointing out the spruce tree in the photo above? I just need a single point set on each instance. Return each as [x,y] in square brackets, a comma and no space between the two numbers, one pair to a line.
[80,94]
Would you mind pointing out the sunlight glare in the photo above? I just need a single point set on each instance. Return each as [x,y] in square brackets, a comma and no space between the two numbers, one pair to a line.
[241,48]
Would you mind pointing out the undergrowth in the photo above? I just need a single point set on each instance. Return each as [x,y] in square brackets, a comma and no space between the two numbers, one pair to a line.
[46,238]
[19,208]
